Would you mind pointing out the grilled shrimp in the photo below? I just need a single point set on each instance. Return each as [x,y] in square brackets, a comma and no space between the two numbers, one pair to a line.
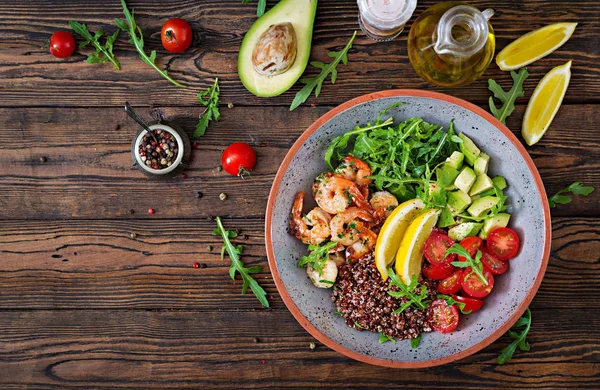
[383,203]
[327,278]
[364,245]
[335,194]
[356,170]
[314,227]
[346,228]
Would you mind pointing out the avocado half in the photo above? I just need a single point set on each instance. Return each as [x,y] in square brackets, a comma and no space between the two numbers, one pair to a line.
[301,14]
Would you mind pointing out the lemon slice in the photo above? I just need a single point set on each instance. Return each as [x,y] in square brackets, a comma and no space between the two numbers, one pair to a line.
[410,253]
[392,232]
[545,102]
[534,45]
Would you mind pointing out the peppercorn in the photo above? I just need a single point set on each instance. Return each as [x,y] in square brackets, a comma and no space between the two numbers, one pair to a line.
[150,211]
[222,196]
[199,194]
[133,236]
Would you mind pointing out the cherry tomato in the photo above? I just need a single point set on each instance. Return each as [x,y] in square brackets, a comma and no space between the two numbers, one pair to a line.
[237,158]
[451,284]
[473,286]
[435,248]
[491,262]
[443,318]
[471,304]
[471,245]
[438,273]
[503,242]
[176,35]
[62,44]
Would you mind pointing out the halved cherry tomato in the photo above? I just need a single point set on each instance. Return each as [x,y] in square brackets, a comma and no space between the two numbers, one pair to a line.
[474,286]
[437,273]
[491,262]
[451,284]
[471,304]
[62,44]
[436,246]
[176,35]
[443,318]
[238,158]
[503,242]
[471,245]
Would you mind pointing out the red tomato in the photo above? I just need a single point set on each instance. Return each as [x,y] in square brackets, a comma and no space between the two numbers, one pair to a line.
[435,247]
[473,286]
[471,304]
[237,158]
[451,284]
[437,273]
[176,35]
[503,242]
[62,44]
[491,262]
[443,318]
[471,245]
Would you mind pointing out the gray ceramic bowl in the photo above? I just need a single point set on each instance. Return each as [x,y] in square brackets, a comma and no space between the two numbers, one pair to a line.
[512,292]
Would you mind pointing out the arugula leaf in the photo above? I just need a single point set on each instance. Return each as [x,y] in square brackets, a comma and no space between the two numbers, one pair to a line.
[234,253]
[315,83]
[413,297]
[414,343]
[518,336]
[260,8]
[507,98]
[137,39]
[451,301]
[475,263]
[102,53]
[317,257]
[212,108]
[383,338]
[575,188]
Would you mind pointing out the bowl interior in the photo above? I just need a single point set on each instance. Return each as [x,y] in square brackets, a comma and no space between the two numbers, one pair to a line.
[510,290]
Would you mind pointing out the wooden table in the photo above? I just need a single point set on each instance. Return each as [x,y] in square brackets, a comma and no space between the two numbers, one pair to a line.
[83,304]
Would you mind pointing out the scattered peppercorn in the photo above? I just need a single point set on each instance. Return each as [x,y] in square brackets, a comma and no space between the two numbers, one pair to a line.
[131,211]
[209,248]
[312,346]
[133,236]
[199,194]
[256,340]
[150,211]
[263,361]
[195,145]
[202,265]
[229,105]
[196,265]
[184,176]
[244,237]
[222,196]
[43,159]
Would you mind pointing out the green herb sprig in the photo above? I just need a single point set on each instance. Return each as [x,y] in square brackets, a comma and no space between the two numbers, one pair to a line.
[317,257]
[104,52]
[518,332]
[416,298]
[509,97]
[414,343]
[210,100]
[137,39]
[234,253]
[260,7]
[384,338]
[316,83]
[575,188]
[475,263]
[451,301]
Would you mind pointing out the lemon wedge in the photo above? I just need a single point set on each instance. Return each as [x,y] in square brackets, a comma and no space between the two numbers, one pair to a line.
[545,102]
[410,253]
[392,232]
[534,45]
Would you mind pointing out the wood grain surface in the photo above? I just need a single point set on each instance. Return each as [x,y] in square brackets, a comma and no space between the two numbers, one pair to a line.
[97,293]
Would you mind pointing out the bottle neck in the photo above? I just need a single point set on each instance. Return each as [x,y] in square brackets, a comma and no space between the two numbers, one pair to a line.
[462,31]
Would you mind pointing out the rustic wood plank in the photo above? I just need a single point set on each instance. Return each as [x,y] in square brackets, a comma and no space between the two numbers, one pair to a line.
[30,76]
[87,171]
[96,264]
[153,349]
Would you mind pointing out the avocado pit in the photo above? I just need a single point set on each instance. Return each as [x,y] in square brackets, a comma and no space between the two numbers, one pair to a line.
[275,51]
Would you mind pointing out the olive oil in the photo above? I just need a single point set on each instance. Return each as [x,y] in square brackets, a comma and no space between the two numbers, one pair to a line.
[451,44]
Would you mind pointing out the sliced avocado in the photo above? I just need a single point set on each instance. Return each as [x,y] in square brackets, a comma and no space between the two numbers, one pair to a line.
[482,183]
[469,149]
[480,166]
[465,179]
[447,177]
[455,160]
[482,205]
[459,232]
[458,200]
[500,182]
[499,220]
[301,15]
[446,219]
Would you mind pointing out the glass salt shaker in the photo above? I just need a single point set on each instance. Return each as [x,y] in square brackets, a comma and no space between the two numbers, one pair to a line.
[384,20]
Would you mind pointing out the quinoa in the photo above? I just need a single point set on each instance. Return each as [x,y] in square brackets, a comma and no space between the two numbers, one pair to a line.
[362,298]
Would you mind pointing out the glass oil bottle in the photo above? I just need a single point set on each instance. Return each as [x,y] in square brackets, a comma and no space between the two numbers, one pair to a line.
[451,44]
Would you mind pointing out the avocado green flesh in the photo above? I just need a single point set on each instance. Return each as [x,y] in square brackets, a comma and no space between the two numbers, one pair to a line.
[301,14]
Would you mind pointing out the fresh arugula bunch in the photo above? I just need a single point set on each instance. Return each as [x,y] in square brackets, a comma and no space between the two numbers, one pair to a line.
[451,301]
[414,296]
[518,332]
[475,263]
[102,53]
[260,8]
[209,99]
[137,39]
[317,257]
[316,83]
[234,252]
[575,188]
[509,97]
